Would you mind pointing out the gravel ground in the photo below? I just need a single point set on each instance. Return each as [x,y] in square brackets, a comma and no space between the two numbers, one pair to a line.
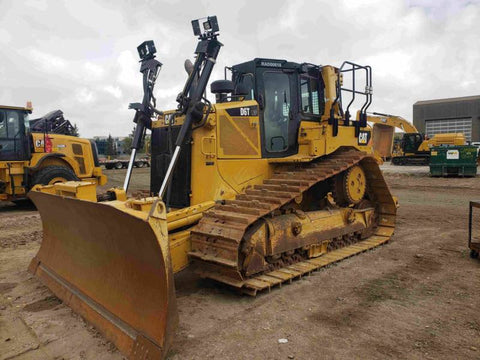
[415,298]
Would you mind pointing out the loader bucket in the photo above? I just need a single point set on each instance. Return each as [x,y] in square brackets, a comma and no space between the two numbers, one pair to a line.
[110,264]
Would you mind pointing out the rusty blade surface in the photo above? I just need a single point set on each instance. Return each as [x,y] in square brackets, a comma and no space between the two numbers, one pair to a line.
[111,266]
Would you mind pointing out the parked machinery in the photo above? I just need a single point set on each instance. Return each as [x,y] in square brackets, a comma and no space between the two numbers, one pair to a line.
[414,147]
[123,164]
[271,182]
[28,158]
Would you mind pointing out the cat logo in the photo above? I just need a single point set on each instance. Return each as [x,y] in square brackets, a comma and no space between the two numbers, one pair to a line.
[39,143]
[363,137]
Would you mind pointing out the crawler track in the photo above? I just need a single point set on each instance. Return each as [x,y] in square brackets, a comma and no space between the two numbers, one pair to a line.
[217,239]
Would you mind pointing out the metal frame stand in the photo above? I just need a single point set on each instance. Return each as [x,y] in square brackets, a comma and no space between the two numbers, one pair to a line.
[473,246]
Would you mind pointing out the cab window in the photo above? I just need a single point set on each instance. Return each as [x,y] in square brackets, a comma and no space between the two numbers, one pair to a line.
[312,103]
[13,142]
[9,124]
[247,81]
[277,111]
[3,124]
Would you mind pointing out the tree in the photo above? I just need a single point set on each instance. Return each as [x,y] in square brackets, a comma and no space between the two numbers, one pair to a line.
[111,146]
[127,145]
[128,141]
[75,130]
[146,145]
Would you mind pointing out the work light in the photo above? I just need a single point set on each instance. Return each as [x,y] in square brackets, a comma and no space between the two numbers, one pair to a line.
[205,27]
[146,50]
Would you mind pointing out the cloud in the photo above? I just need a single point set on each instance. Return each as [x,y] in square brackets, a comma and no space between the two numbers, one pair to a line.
[85,96]
[5,37]
[441,9]
[291,19]
[93,71]
[81,56]
[128,68]
[47,62]
[39,5]
[115,91]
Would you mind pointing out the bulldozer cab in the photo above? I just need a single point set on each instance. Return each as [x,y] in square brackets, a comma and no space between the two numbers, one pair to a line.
[14,140]
[287,93]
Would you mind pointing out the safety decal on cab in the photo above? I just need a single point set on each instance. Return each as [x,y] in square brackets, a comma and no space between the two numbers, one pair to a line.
[364,137]
[243,111]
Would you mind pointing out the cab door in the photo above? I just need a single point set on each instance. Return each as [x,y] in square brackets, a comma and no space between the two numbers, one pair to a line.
[13,138]
[279,113]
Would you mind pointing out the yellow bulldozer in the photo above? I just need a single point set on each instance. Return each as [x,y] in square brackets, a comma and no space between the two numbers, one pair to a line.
[271,182]
[414,147]
[29,157]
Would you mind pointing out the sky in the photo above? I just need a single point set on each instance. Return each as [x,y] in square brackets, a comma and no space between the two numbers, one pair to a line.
[80,56]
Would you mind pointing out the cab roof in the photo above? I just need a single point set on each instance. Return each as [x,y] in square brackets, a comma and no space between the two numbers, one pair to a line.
[265,63]
[16,108]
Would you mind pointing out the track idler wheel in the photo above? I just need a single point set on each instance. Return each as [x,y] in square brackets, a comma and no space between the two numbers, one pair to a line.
[350,186]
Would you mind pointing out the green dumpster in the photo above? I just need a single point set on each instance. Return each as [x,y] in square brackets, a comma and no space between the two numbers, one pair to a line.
[455,160]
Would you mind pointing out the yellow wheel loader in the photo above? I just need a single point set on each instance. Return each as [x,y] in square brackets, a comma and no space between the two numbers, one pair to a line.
[268,184]
[29,158]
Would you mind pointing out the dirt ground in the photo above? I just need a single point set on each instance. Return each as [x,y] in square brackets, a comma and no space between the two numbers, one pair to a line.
[418,297]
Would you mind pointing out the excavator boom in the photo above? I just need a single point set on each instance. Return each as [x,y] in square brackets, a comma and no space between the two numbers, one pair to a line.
[393,121]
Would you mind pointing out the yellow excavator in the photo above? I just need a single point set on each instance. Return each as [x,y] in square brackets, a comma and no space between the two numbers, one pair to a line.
[414,147]
[40,152]
[271,182]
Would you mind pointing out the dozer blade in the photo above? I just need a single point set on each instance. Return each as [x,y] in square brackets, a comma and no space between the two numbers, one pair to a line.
[111,265]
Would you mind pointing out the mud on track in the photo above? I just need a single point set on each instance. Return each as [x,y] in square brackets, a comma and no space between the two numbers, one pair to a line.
[417,297]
